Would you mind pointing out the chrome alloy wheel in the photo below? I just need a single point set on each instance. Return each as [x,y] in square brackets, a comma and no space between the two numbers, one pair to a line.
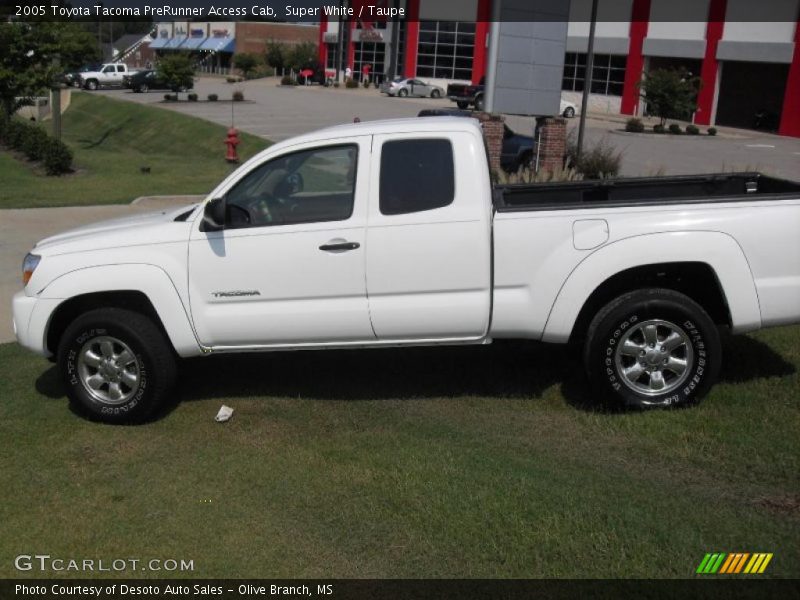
[108,370]
[654,357]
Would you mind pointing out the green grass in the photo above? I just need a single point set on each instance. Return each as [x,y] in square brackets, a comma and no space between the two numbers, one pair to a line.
[112,140]
[439,462]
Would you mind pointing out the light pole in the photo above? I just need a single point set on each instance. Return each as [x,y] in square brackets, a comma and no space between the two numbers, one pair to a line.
[587,78]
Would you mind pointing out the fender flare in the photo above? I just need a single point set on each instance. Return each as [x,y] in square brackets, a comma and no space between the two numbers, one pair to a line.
[148,279]
[718,250]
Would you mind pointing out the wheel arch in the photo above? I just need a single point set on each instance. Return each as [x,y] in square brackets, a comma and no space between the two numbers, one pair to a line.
[709,267]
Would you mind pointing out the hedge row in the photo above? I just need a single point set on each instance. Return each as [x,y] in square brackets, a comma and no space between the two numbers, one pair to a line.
[36,145]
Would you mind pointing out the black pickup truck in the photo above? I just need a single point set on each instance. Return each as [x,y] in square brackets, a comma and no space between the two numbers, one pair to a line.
[467,95]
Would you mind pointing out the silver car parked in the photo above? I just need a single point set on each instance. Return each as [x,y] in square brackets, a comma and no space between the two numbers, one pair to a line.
[411,87]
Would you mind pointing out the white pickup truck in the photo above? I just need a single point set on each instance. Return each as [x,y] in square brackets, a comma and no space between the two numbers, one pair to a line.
[108,75]
[390,233]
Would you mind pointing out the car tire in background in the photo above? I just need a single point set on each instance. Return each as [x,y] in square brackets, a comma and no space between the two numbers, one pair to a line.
[143,88]
[436,94]
[91,85]
[462,105]
[569,112]
[479,104]
[116,364]
[652,348]
[402,93]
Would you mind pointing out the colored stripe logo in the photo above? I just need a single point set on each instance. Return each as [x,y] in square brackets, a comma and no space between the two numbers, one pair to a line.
[735,563]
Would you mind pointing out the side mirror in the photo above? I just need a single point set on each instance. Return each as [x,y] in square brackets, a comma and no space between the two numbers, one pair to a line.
[214,215]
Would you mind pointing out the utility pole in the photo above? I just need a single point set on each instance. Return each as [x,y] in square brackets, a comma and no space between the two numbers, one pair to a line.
[587,78]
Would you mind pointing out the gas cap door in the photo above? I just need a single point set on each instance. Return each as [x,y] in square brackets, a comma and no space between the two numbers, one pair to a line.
[588,234]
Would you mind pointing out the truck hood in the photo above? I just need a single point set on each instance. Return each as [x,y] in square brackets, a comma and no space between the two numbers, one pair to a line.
[154,227]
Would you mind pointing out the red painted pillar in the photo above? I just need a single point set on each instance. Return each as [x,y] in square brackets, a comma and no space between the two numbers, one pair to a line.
[322,47]
[790,118]
[481,33]
[708,72]
[351,47]
[640,19]
[412,38]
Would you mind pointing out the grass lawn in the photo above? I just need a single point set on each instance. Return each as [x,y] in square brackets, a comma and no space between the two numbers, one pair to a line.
[112,140]
[437,462]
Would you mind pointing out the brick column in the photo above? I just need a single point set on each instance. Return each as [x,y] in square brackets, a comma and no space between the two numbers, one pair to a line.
[552,143]
[640,19]
[708,72]
[492,126]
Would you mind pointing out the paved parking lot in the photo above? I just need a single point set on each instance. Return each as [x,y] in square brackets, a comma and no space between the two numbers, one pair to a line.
[276,113]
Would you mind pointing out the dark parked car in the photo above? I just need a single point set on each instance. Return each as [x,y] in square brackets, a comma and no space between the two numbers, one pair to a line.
[517,149]
[147,80]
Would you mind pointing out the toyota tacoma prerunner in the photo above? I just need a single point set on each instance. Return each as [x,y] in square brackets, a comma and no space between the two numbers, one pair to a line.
[390,233]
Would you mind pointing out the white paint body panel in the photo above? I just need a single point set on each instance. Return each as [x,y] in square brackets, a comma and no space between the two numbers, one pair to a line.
[453,275]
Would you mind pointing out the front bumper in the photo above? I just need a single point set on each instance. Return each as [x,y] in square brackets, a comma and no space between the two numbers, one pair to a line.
[30,316]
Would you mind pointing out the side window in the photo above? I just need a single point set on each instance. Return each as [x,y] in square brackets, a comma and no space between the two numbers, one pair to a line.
[416,175]
[108,70]
[120,69]
[309,186]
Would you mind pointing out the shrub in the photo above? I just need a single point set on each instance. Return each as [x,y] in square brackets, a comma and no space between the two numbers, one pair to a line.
[351,84]
[599,161]
[238,96]
[232,79]
[34,142]
[336,84]
[376,85]
[16,133]
[712,131]
[286,80]
[634,125]
[659,128]
[192,97]
[170,97]
[213,97]
[57,158]
[692,130]
[365,84]
[675,129]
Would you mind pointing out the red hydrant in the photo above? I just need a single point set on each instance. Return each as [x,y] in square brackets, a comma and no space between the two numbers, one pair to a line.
[231,142]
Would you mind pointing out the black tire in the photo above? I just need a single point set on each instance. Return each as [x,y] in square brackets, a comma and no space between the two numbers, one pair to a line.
[462,105]
[479,103]
[91,84]
[152,363]
[144,88]
[569,112]
[436,94]
[402,93]
[627,323]
[525,162]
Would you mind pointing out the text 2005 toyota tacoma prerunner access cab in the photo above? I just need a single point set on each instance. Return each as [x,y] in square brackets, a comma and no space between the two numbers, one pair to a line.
[390,233]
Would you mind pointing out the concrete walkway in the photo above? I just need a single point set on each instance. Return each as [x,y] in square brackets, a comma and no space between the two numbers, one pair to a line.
[21,228]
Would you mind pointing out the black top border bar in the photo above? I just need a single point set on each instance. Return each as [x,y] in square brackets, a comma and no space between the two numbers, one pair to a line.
[367,11]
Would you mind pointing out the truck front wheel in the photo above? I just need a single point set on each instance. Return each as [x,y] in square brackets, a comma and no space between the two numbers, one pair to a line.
[116,364]
[92,84]
[652,348]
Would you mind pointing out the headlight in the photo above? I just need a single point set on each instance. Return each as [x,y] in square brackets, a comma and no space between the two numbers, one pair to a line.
[29,266]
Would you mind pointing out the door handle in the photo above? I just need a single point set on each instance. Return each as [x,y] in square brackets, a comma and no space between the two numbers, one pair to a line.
[339,246]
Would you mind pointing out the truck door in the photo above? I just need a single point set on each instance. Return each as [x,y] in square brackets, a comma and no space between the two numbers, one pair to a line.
[429,237]
[288,269]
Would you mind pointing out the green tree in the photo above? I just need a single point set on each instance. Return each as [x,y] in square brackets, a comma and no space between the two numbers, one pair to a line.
[670,94]
[276,55]
[246,63]
[177,70]
[303,55]
[32,53]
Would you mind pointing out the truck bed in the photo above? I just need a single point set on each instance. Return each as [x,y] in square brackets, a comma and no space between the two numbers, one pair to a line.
[636,191]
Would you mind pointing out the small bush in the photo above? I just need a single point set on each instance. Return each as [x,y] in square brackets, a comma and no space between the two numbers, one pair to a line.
[675,129]
[692,130]
[192,97]
[659,128]
[634,125]
[366,84]
[57,158]
[34,143]
[238,96]
[336,84]
[213,97]
[712,131]
[598,161]
[232,79]
[16,133]
[170,97]
[351,84]
[286,80]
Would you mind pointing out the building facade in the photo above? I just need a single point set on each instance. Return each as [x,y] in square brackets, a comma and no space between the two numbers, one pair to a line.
[749,68]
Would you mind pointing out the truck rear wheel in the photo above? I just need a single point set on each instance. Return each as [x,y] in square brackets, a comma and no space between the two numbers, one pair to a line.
[116,364]
[652,348]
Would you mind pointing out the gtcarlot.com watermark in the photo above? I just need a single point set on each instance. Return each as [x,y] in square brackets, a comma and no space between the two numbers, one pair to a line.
[47,563]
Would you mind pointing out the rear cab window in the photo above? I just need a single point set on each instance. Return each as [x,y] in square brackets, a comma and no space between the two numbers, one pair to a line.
[416,175]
